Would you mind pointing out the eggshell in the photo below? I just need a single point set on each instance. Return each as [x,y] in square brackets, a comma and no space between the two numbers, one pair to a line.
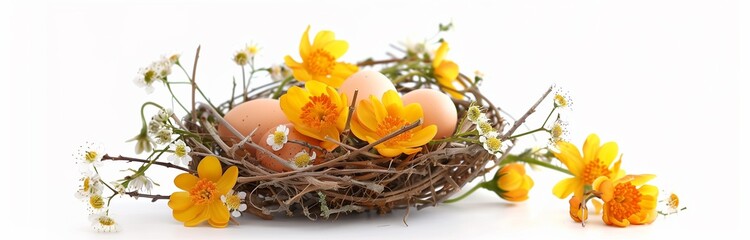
[368,82]
[438,109]
[261,113]
[288,151]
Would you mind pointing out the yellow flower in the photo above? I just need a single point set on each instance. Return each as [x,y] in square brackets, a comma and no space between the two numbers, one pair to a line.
[201,199]
[374,120]
[317,111]
[595,162]
[446,71]
[319,60]
[513,182]
[624,204]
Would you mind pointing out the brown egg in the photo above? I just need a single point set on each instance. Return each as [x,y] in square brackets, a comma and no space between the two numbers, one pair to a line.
[261,113]
[438,109]
[289,150]
[368,82]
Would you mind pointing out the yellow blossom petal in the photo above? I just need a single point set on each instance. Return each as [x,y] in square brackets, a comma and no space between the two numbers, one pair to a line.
[440,54]
[227,181]
[322,38]
[219,212]
[188,214]
[180,201]
[567,186]
[590,147]
[336,48]
[607,153]
[185,181]
[304,43]
[202,217]
[210,168]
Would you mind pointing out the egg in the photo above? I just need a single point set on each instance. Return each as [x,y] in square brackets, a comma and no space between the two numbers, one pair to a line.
[261,113]
[368,82]
[438,109]
[289,150]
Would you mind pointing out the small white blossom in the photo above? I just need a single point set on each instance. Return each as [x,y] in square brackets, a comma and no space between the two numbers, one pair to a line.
[163,115]
[484,128]
[101,222]
[492,144]
[180,153]
[415,47]
[476,116]
[559,131]
[303,159]
[96,203]
[154,126]
[90,185]
[90,154]
[163,136]
[235,202]
[562,99]
[280,72]
[278,138]
[140,182]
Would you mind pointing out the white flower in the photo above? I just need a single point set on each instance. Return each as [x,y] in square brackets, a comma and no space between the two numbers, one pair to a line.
[243,56]
[562,99]
[140,182]
[475,115]
[492,144]
[163,115]
[415,47]
[559,131]
[119,188]
[143,143]
[90,185]
[302,159]
[145,79]
[235,202]
[96,203]
[278,138]
[154,126]
[163,136]
[91,154]
[280,72]
[103,223]
[180,153]
[484,128]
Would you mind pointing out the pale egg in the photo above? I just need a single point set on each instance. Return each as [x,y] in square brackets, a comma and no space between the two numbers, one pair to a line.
[438,109]
[289,150]
[368,82]
[261,113]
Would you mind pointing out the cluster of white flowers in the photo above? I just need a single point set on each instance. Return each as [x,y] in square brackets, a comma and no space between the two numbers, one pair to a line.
[156,71]
[160,128]
[245,55]
[488,135]
[280,72]
[91,186]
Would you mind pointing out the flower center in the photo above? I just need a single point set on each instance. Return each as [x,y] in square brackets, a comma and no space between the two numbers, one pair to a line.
[557,130]
[319,112]
[320,63]
[625,202]
[302,159]
[594,170]
[561,101]
[474,113]
[203,192]
[91,156]
[278,137]
[106,221]
[233,202]
[86,184]
[149,76]
[391,124]
[180,151]
[494,144]
[96,202]
[484,127]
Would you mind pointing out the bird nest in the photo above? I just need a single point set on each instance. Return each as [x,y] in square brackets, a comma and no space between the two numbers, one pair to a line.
[353,178]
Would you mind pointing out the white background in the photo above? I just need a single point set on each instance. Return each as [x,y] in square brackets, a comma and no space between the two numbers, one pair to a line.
[662,78]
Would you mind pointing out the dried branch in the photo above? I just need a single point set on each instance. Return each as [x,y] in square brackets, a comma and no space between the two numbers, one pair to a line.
[154,162]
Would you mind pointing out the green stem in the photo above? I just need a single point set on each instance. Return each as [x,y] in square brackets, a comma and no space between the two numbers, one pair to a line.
[198,88]
[515,158]
[549,115]
[244,84]
[529,132]
[175,98]
[472,190]
[277,94]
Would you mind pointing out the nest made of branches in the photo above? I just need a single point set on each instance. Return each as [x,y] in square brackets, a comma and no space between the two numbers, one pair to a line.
[353,178]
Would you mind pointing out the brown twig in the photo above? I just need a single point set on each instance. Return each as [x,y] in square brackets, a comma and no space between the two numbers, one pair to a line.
[349,117]
[192,80]
[130,159]
[526,115]
[153,198]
